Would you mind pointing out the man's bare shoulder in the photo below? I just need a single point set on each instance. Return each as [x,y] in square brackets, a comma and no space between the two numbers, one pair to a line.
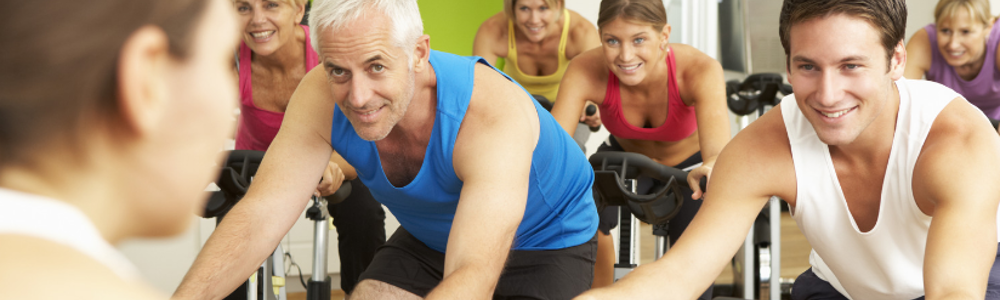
[41,269]
[959,126]
[495,95]
[762,151]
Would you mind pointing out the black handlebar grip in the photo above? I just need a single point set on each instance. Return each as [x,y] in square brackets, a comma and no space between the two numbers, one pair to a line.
[340,194]
[590,111]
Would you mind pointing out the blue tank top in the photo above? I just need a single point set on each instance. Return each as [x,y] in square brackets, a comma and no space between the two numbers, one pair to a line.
[560,211]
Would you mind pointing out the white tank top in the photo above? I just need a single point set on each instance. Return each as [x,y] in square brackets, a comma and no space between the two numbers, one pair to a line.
[36,216]
[887,261]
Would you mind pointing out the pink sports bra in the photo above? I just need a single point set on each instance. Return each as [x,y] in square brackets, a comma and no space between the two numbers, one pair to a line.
[680,122]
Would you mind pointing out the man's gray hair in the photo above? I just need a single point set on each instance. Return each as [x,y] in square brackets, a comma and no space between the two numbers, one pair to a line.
[335,14]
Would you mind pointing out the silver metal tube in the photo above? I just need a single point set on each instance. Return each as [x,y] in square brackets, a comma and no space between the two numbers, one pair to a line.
[252,284]
[775,248]
[321,233]
[279,270]
[662,245]
[747,258]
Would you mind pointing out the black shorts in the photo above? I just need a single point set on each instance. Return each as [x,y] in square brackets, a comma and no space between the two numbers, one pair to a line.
[408,263]
[808,286]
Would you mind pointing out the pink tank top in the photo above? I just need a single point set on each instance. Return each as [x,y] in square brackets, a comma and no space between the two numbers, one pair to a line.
[680,122]
[257,127]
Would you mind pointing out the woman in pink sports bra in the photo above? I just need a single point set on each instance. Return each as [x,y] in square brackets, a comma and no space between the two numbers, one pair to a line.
[274,56]
[666,101]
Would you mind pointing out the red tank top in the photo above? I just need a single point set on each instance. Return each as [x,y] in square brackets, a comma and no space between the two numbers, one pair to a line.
[680,122]
[257,127]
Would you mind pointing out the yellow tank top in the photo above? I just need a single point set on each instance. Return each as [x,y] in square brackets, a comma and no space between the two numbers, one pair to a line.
[547,85]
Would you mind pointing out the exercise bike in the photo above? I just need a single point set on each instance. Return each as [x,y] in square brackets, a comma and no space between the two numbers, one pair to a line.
[757,265]
[268,282]
[615,184]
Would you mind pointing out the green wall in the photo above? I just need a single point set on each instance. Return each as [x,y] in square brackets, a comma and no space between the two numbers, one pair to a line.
[452,24]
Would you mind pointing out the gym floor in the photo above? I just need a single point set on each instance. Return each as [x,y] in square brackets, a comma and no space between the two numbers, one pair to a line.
[794,255]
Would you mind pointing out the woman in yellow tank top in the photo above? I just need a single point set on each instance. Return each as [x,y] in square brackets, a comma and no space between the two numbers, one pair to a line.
[537,38]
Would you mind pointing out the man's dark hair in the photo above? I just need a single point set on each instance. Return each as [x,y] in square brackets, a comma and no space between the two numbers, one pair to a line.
[887,17]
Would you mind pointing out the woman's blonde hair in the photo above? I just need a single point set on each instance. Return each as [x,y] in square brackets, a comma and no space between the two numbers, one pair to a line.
[508,7]
[291,2]
[978,9]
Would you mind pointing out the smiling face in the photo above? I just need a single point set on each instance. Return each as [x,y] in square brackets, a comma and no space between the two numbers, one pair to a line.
[961,39]
[633,50]
[536,19]
[371,79]
[267,24]
[838,68]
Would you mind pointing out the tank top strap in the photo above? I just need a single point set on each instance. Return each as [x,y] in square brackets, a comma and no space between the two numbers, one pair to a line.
[564,37]
[991,47]
[245,74]
[312,58]
[511,45]
[673,90]
[610,104]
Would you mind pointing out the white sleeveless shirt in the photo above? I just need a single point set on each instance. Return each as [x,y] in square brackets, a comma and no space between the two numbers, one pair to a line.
[887,261]
[36,216]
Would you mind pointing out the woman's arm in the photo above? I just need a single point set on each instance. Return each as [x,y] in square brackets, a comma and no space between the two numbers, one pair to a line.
[705,86]
[582,36]
[491,39]
[581,83]
[918,55]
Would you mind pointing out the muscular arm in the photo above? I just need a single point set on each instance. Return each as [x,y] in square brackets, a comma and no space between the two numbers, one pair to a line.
[705,85]
[754,166]
[918,55]
[576,88]
[957,174]
[583,36]
[490,42]
[493,160]
[280,190]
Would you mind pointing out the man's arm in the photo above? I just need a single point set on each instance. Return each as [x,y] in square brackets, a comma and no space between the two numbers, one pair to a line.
[280,191]
[918,55]
[493,159]
[956,175]
[751,168]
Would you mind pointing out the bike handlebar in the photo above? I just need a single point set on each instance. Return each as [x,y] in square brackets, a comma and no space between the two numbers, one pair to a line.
[643,165]
[235,178]
[656,207]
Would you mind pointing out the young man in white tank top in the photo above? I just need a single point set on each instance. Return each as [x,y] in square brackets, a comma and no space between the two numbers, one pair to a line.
[892,181]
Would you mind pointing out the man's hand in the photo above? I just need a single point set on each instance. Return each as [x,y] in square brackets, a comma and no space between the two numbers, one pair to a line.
[694,180]
[333,177]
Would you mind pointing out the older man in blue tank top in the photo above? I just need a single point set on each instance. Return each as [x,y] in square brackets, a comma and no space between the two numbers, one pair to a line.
[482,179]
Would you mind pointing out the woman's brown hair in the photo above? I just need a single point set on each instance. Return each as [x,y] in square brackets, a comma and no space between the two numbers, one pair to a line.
[646,11]
[58,67]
